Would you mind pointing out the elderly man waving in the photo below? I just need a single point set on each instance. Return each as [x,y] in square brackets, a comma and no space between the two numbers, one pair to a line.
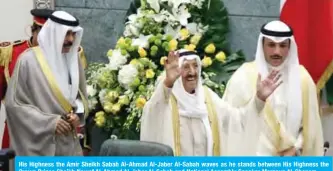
[191,118]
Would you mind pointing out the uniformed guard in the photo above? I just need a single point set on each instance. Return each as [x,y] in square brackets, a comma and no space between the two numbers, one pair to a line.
[9,54]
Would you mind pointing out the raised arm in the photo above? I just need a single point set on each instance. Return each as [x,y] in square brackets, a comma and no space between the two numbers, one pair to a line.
[264,89]
[157,110]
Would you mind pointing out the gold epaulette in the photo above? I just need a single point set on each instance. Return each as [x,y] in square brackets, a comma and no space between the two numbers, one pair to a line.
[82,57]
[6,50]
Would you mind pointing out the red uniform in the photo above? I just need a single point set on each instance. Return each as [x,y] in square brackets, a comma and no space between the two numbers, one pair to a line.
[6,71]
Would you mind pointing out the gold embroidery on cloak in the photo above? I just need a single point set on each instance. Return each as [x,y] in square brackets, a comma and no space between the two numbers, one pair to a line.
[273,122]
[212,118]
[53,85]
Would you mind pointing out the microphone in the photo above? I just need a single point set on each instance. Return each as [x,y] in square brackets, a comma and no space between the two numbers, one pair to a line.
[326,147]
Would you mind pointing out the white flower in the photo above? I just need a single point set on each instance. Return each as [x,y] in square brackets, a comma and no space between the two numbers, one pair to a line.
[101,95]
[197,3]
[181,14]
[133,25]
[127,32]
[142,41]
[92,102]
[133,18]
[169,30]
[133,29]
[155,4]
[127,74]
[162,16]
[176,3]
[116,60]
[195,28]
[91,91]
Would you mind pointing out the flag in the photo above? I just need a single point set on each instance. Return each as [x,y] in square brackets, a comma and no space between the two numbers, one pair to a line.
[312,23]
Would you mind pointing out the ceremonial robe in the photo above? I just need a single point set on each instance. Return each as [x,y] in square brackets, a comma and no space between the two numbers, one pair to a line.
[188,136]
[276,130]
[9,54]
[34,104]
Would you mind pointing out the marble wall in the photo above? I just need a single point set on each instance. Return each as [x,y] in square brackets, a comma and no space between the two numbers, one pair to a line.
[103,21]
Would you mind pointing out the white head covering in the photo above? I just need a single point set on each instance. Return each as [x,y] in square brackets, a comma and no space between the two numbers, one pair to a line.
[190,105]
[193,105]
[290,90]
[63,66]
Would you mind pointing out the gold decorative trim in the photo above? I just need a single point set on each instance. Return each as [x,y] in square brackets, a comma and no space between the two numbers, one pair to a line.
[325,77]
[85,104]
[51,80]
[82,57]
[212,116]
[6,55]
[273,122]
[175,125]
[305,118]
[213,123]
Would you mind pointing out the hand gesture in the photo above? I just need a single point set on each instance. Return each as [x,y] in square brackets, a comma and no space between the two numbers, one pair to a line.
[73,119]
[288,152]
[172,69]
[266,87]
[63,127]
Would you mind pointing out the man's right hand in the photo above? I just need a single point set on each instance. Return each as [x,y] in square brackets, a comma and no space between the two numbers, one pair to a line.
[63,127]
[172,69]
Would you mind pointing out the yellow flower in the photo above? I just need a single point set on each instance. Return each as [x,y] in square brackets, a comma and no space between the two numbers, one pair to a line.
[123,100]
[112,95]
[107,107]
[134,61]
[195,39]
[100,114]
[100,118]
[163,60]
[142,52]
[184,34]
[173,45]
[207,61]
[210,48]
[190,47]
[121,41]
[100,121]
[109,54]
[150,73]
[220,56]
[140,102]
[115,108]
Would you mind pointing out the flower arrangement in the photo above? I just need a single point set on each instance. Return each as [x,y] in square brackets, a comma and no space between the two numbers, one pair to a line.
[119,89]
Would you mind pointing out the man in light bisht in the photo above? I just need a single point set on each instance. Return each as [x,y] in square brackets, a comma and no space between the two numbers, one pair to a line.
[291,124]
[191,118]
[45,100]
